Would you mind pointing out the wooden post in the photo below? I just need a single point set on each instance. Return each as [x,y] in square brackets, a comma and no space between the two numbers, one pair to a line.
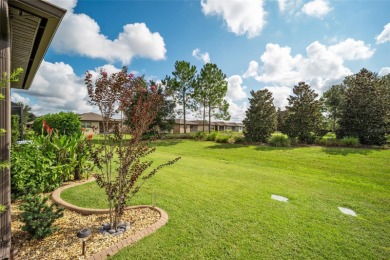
[5,140]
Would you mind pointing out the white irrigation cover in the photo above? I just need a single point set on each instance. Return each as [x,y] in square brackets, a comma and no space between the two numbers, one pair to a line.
[279,198]
[347,211]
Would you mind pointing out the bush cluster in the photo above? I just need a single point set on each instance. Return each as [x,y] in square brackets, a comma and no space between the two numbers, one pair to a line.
[279,140]
[66,123]
[211,136]
[199,135]
[344,142]
[46,161]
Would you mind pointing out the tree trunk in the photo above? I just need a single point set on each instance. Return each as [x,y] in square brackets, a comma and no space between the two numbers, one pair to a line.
[184,113]
[204,114]
[5,140]
[209,118]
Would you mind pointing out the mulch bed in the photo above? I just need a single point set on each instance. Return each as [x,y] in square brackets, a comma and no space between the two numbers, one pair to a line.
[64,244]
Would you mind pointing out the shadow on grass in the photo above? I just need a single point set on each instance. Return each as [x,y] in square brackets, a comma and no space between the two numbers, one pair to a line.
[225,146]
[158,143]
[265,148]
[346,151]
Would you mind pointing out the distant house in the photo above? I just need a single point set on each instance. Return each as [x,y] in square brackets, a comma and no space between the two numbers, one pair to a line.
[197,125]
[93,123]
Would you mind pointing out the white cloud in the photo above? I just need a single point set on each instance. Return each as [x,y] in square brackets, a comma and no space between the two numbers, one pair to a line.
[56,88]
[241,16]
[235,90]
[237,112]
[252,70]
[282,5]
[351,49]
[69,5]
[80,34]
[205,57]
[317,8]
[16,98]
[289,6]
[280,95]
[384,36]
[384,71]
[321,66]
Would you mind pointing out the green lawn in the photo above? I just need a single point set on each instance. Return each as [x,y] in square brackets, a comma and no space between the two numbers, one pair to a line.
[218,198]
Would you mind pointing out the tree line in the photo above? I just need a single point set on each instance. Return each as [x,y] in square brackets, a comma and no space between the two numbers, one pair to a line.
[358,107]
[202,93]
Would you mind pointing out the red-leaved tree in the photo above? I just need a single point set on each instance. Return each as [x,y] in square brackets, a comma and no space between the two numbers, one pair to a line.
[112,94]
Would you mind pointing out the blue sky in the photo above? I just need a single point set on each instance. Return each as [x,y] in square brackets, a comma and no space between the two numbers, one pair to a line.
[257,44]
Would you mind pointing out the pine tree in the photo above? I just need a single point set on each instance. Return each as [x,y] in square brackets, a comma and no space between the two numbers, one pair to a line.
[210,91]
[333,100]
[181,86]
[304,119]
[261,117]
[281,119]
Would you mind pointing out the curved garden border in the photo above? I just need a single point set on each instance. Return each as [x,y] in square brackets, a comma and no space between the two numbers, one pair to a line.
[88,211]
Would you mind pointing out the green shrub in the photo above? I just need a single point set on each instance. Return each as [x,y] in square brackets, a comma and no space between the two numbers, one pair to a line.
[294,141]
[66,123]
[222,138]
[32,171]
[279,140]
[211,136]
[328,142]
[199,135]
[15,128]
[38,217]
[239,139]
[46,162]
[329,135]
[350,142]
[311,138]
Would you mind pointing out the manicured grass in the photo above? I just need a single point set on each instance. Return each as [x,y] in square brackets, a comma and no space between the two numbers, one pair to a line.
[218,197]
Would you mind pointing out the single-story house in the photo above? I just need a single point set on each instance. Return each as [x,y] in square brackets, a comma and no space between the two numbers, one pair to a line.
[197,125]
[93,123]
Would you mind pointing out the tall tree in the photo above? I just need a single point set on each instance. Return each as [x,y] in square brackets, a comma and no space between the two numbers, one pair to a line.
[113,94]
[304,113]
[181,86]
[261,118]
[333,99]
[210,91]
[386,86]
[165,118]
[281,119]
[365,110]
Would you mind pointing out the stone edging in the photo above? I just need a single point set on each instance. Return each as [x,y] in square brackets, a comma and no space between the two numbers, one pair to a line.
[121,244]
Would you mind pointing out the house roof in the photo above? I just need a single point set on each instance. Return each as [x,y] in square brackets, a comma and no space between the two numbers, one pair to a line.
[188,122]
[32,24]
[94,117]
[91,117]
[200,122]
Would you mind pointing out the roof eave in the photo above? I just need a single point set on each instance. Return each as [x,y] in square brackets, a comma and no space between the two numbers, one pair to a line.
[54,15]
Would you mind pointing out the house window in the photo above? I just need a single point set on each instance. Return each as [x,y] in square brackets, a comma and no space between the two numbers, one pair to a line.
[86,124]
[193,128]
